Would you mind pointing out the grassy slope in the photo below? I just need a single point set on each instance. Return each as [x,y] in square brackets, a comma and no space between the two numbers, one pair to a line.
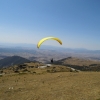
[51,86]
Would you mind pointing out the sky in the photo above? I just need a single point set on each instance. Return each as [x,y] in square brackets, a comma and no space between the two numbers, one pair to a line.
[75,22]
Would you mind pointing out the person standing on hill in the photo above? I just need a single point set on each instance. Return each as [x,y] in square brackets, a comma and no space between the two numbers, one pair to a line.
[52,60]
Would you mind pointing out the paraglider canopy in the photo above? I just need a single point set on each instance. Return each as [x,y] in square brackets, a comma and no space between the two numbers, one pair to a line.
[44,39]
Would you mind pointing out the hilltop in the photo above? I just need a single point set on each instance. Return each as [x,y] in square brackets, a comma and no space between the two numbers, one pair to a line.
[31,81]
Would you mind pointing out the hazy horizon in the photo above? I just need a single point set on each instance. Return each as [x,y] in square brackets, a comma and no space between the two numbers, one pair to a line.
[43,46]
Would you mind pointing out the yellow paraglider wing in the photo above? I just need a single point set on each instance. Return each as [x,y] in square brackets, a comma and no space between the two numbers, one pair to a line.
[44,39]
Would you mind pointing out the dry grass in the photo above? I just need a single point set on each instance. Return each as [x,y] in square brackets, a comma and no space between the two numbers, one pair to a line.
[34,64]
[51,86]
[80,62]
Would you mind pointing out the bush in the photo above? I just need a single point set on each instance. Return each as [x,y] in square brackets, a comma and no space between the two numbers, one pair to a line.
[1,71]
[25,70]
[71,70]
[0,75]
[48,70]
[16,71]
[53,71]
[34,72]
[20,73]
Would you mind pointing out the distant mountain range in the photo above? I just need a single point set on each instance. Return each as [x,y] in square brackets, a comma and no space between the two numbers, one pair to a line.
[14,60]
[46,47]
[45,52]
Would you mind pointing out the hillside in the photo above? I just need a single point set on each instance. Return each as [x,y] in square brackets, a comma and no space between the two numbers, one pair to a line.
[77,61]
[80,64]
[13,60]
[51,86]
[57,82]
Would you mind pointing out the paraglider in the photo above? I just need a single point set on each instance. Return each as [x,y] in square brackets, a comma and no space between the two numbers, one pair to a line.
[52,60]
[47,38]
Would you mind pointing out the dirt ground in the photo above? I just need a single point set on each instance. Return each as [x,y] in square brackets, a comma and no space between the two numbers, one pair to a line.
[51,86]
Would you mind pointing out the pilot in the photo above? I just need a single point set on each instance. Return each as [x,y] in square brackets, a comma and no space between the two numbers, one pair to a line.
[52,60]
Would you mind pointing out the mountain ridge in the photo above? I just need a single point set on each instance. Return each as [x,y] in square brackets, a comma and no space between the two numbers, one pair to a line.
[12,60]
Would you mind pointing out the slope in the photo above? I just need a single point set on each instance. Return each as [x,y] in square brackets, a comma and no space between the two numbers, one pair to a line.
[13,60]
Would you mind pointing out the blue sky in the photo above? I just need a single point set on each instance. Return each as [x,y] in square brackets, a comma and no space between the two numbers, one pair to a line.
[75,22]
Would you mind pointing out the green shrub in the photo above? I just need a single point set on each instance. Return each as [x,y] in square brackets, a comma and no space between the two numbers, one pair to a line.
[48,70]
[34,72]
[0,75]
[21,73]
[25,70]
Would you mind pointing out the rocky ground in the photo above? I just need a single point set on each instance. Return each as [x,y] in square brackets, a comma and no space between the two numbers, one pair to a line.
[51,83]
